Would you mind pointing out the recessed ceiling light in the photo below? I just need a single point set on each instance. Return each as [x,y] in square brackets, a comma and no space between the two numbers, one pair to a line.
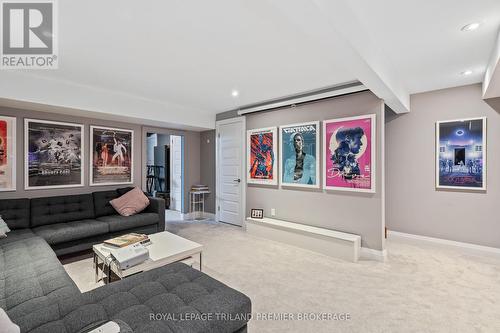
[471,26]
[235,93]
[466,73]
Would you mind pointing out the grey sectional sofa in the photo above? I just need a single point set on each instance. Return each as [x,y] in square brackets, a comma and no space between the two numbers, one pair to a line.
[74,223]
[40,297]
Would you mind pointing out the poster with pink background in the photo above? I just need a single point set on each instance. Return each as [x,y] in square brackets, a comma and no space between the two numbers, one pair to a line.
[349,145]
[7,153]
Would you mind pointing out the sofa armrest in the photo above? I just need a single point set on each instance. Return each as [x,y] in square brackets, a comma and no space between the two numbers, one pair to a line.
[157,205]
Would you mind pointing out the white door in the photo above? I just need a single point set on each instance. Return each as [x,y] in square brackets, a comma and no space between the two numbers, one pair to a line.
[230,174]
[176,173]
[151,144]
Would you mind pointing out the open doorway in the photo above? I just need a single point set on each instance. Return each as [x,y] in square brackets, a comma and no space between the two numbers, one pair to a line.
[165,169]
[460,156]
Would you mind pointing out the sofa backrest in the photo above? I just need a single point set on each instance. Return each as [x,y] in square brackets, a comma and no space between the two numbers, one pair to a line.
[102,207]
[16,213]
[123,190]
[60,209]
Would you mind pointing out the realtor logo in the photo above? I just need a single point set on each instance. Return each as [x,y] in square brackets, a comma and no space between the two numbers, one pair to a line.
[28,35]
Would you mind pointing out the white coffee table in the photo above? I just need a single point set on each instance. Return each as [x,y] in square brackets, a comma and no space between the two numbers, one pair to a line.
[165,248]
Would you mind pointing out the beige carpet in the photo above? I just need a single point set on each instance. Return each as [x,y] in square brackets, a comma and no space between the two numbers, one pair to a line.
[420,288]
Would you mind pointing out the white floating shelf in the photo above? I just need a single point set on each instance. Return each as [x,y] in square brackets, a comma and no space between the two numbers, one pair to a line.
[325,241]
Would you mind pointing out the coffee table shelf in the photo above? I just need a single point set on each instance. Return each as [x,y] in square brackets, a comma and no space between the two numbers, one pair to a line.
[165,248]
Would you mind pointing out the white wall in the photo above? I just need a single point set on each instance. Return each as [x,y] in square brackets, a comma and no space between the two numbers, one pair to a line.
[150,149]
[23,90]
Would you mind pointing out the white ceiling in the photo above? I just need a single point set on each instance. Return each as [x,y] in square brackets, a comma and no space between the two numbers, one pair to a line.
[424,41]
[177,61]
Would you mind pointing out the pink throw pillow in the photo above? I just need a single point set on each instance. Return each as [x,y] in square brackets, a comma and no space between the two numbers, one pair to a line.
[130,203]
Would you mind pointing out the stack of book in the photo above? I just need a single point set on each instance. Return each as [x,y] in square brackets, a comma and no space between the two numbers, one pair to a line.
[128,239]
[199,188]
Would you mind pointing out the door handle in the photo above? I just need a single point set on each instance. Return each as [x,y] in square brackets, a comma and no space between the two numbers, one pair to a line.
[237,180]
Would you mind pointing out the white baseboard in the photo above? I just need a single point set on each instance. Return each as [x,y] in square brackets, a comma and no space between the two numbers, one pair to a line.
[371,254]
[469,246]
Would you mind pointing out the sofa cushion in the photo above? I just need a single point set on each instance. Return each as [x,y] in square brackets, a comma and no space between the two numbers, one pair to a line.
[16,236]
[124,190]
[102,207]
[60,209]
[31,276]
[16,213]
[118,222]
[173,290]
[65,232]
[79,245]
[131,203]
[157,205]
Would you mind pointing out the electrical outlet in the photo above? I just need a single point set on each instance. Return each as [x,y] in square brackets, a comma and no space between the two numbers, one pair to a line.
[257,213]
[273,211]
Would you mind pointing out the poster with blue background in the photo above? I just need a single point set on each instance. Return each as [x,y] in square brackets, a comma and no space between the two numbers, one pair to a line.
[461,154]
[299,155]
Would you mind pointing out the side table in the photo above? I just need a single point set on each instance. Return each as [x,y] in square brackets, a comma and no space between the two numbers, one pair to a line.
[197,204]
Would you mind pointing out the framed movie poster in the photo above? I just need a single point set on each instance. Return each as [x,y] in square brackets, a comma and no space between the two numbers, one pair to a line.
[53,154]
[299,165]
[7,153]
[461,154]
[349,154]
[112,156]
[261,154]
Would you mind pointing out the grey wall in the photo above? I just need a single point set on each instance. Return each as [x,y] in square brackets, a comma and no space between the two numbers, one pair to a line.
[494,103]
[21,114]
[207,164]
[413,204]
[191,157]
[191,154]
[357,213]
[226,115]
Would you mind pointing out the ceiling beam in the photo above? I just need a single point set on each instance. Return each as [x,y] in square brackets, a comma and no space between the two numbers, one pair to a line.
[337,24]
[491,82]
[303,98]
[22,90]
[370,65]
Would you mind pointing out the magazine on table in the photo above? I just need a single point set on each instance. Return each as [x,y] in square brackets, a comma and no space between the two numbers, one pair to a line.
[128,239]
